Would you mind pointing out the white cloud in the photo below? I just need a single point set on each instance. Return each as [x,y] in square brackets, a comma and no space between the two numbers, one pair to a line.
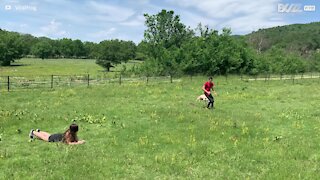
[53,29]
[13,26]
[97,20]
[143,1]
[247,24]
[110,13]
[23,26]
[137,21]
[193,19]
[243,16]
[103,34]
[222,8]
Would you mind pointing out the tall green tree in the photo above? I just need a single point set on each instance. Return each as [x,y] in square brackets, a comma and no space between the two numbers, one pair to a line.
[11,47]
[212,53]
[78,49]
[43,49]
[314,62]
[142,51]
[277,60]
[66,48]
[91,50]
[112,52]
[164,29]
[164,35]
[197,57]
[27,41]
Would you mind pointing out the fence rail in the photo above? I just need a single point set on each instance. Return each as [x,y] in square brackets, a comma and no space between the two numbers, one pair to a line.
[10,83]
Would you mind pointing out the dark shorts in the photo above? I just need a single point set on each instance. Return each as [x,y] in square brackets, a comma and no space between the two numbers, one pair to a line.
[55,138]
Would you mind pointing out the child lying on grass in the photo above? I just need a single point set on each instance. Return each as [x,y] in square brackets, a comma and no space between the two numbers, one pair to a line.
[68,137]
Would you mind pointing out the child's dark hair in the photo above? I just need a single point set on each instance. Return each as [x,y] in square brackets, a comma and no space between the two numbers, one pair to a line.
[210,78]
[74,127]
[71,134]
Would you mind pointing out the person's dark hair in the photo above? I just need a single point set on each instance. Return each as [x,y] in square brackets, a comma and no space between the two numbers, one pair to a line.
[71,134]
[210,78]
[74,128]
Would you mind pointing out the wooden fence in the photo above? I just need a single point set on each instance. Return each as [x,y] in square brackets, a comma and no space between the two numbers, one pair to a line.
[11,83]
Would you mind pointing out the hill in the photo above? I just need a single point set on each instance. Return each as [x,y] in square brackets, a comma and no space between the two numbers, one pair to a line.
[300,38]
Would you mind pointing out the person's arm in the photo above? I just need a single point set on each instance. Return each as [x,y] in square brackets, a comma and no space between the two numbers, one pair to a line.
[203,88]
[214,92]
[78,142]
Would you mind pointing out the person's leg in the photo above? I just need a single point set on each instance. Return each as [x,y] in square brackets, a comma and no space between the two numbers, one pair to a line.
[42,135]
[212,102]
[209,104]
[210,98]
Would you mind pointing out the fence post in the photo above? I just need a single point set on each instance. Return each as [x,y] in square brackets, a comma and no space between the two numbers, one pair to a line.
[171,78]
[51,81]
[88,80]
[293,79]
[8,83]
[147,79]
[120,79]
[265,78]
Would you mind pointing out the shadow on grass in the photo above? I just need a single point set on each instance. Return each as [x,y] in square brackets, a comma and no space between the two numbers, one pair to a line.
[17,65]
[105,71]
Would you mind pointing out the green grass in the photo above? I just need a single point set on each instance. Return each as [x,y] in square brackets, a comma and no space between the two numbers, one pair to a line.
[37,67]
[259,130]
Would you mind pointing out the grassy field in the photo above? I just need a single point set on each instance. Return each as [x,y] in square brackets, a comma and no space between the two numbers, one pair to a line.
[259,130]
[38,67]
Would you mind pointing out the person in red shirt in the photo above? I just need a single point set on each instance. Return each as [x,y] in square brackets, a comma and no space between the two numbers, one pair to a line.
[207,91]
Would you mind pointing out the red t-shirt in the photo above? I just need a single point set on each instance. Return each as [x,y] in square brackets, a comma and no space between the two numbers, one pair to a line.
[207,86]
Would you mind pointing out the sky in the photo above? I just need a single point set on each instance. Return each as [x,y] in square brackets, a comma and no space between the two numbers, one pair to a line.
[99,20]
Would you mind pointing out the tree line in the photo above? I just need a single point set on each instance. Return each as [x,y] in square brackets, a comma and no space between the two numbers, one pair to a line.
[14,46]
[170,48]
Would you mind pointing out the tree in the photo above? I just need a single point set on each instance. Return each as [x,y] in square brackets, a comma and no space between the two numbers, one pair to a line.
[27,41]
[164,35]
[56,53]
[212,53]
[142,51]
[10,47]
[294,64]
[91,50]
[66,48]
[111,52]
[196,53]
[43,49]
[277,60]
[165,29]
[78,49]
[128,49]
